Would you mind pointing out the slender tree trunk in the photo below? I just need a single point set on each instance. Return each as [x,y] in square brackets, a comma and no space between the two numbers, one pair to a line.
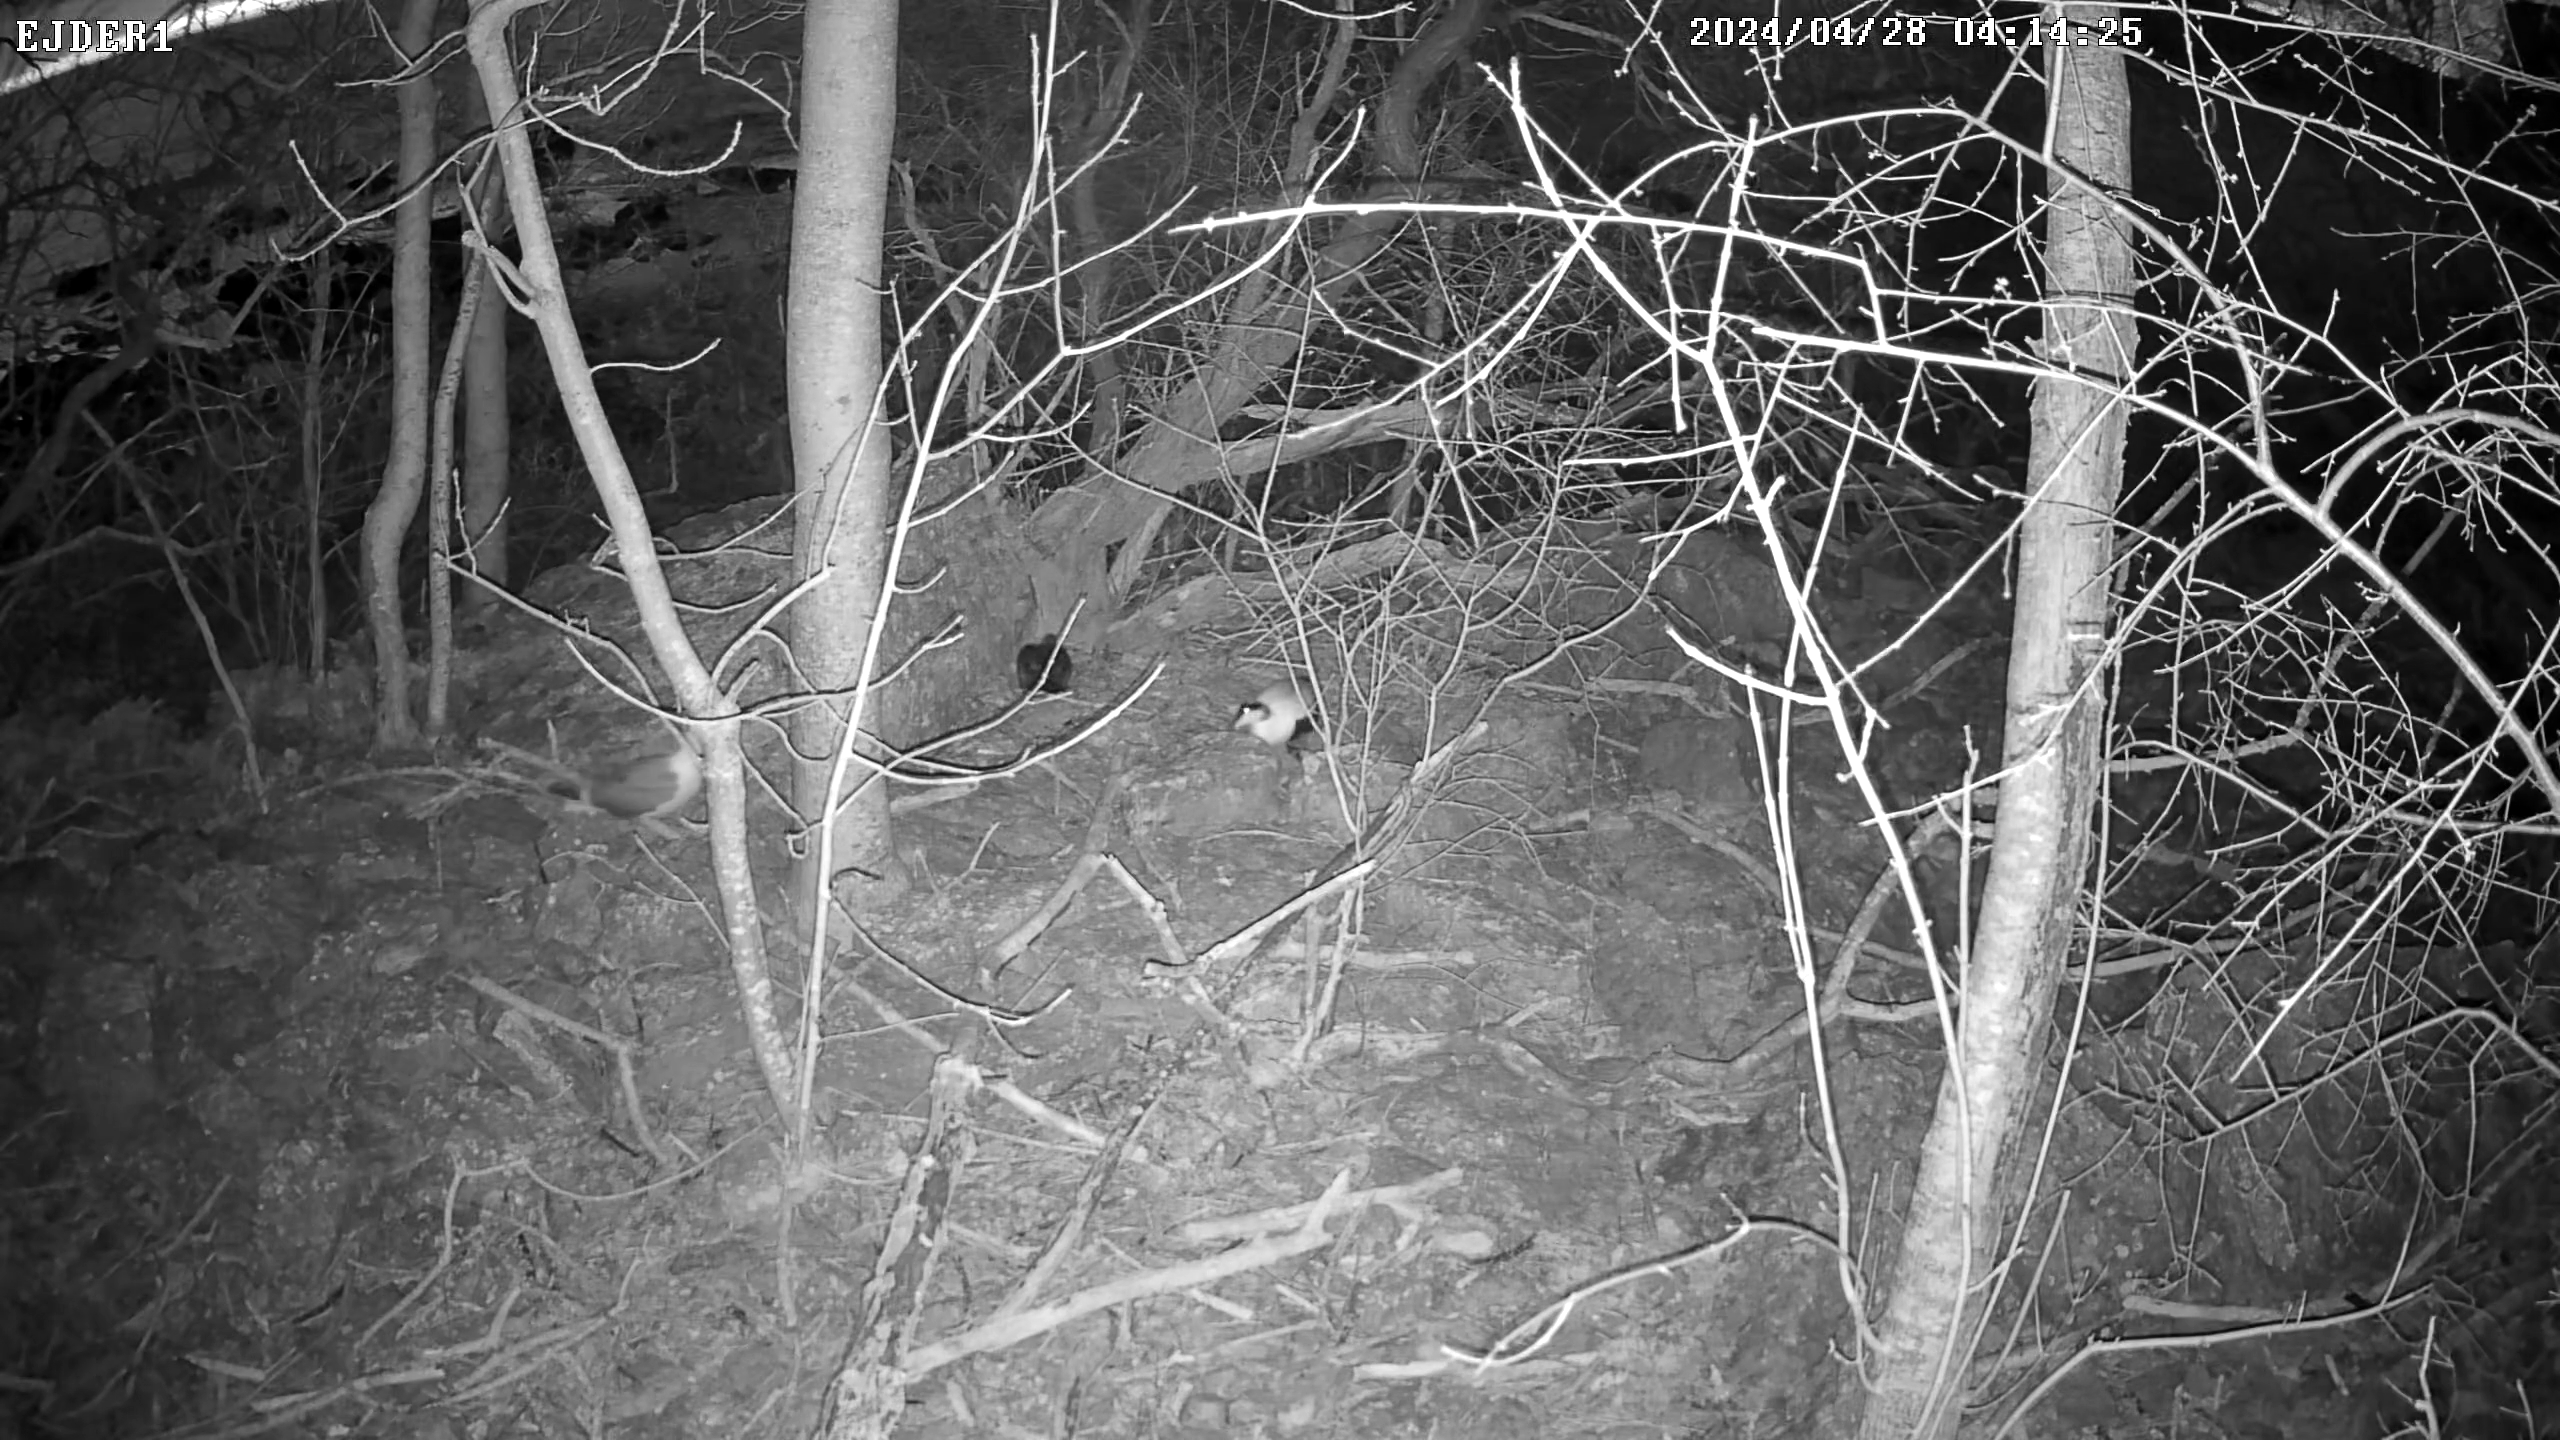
[324,270]
[1097,265]
[712,721]
[484,432]
[386,521]
[840,447]
[441,501]
[484,456]
[2053,749]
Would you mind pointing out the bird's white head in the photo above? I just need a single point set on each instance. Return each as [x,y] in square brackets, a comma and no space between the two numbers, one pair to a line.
[1279,717]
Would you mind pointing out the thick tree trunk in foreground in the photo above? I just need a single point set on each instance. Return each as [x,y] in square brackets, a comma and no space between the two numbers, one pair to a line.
[2052,752]
[847,496]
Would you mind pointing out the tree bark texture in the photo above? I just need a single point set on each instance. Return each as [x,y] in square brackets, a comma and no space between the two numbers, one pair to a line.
[395,504]
[2052,752]
[847,495]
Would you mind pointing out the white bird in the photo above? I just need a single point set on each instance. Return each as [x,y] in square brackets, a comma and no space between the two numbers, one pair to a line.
[1281,718]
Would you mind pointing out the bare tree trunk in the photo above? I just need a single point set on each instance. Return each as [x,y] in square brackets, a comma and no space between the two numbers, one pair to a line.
[484,433]
[441,500]
[1096,265]
[2052,752]
[840,445]
[484,456]
[386,521]
[324,270]
[712,717]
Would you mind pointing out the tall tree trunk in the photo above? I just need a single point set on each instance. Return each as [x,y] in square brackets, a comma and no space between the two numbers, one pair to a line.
[386,521]
[1095,264]
[484,456]
[712,721]
[315,568]
[840,445]
[441,500]
[2052,751]
[484,412]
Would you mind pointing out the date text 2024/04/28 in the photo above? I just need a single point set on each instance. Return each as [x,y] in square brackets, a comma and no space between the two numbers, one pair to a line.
[1791,31]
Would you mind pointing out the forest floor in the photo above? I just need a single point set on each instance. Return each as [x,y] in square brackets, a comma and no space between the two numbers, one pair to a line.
[297,1144]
